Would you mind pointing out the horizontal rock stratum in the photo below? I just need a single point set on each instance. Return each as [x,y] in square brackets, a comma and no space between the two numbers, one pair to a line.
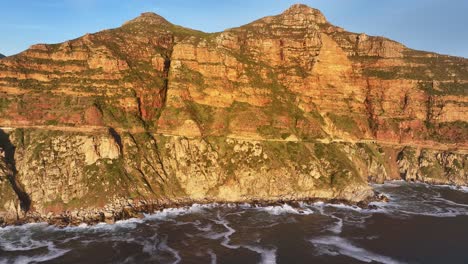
[287,107]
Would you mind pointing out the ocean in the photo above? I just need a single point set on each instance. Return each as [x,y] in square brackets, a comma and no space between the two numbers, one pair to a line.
[420,224]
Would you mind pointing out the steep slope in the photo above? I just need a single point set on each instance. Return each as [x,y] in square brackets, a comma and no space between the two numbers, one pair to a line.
[286,107]
[2,56]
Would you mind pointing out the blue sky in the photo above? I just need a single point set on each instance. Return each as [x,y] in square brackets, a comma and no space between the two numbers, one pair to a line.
[433,25]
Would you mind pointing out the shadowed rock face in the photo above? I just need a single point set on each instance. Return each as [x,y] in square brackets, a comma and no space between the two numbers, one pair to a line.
[286,107]
[2,56]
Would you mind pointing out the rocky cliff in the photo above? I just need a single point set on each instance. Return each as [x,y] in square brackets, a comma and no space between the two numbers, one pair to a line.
[287,107]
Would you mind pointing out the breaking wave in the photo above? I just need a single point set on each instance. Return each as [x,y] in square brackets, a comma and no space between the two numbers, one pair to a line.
[284,209]
[334,246]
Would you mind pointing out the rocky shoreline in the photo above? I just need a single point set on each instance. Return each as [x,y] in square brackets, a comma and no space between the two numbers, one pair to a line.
[139,209]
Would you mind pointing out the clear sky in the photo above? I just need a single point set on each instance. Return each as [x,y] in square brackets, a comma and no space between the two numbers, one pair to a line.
[433,25]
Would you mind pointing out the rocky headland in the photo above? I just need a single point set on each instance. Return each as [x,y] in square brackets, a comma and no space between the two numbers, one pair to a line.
[288,107]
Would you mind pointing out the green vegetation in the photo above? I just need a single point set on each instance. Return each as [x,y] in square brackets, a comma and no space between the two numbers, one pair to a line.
[345,123]
[340,167]
[4,104]
[281,153]
[283,104]
[59,63]
[201,114]
[51,122]
[375,152]
[448,132]
[457,164]
[188,75]
[436,67]
[428,87]
[382,74]
[454,88]
[116,116]
[433,171]
[314,114]
[426,68]
[268,131]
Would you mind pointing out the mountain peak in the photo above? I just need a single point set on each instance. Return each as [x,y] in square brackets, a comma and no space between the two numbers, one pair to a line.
[305,11]
[149,18]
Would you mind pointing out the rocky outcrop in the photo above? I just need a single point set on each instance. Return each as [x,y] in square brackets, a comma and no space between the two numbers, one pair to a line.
[9,201]
[431,166]
[287,107]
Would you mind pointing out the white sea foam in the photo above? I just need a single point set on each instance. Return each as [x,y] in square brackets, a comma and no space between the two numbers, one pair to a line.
[284,209]
[399,183]
[324,208]
[213,257]
[334,245]
[227,236]
[245,205]
[446,186]
[214,235]
[345,207]
[131,223]
[321,205]
[25,227]
[154,245]
[205,228]
[428,202]
[24,243]
[268,255]
[456,188]
[163,246]
[450,202]
[53,253]
[436,213]
[150,245]
[20,238]
[169,214]
[338,226]
[265,226]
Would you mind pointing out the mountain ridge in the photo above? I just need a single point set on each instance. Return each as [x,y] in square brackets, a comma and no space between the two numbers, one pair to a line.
[155,18]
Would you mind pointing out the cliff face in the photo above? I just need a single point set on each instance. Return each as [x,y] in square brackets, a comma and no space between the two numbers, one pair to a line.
[287,107]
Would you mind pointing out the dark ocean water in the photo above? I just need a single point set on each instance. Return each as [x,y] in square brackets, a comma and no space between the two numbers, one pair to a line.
[420,224]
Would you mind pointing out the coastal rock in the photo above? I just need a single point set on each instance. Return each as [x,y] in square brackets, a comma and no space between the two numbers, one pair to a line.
[100,148]
[9,202]
[433,166]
